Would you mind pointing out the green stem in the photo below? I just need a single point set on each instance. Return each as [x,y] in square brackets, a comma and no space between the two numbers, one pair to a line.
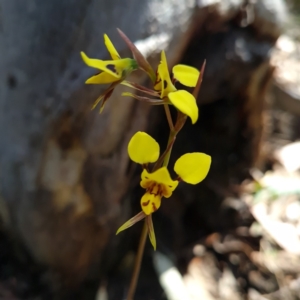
[172,138]
[169,117]
[165,157]
[160,161]
[137,263]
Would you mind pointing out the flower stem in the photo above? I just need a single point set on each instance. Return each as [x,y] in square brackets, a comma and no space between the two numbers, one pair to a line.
[160,161]
[172,138]
[169,117]
[137,263]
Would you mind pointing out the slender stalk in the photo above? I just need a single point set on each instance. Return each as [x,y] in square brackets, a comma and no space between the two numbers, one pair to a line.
[180,121]
[199,82]
[140,88]
[169,117]
[144,99]
[172,138]
[137,263]
[159,163]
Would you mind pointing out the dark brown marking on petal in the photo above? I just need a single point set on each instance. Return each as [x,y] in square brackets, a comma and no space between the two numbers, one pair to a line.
[170,186]
[146,203]
[157,81]
[146,177]
[112,68]
[151,193]
[154,207]
[165,84]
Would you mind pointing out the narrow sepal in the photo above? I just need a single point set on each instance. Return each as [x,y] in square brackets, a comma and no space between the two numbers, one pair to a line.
[111,48]
[97,101]
[105,98]
[199,82]
[144,99]
[151,232]
[140,88]
[141,60]
[105,95]
[140,216]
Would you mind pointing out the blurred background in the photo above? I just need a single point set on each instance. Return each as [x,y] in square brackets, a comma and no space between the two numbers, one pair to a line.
[67,184]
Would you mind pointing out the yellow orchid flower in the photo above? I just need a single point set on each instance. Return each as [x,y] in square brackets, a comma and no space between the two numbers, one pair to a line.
[181,99]
[165,89]
[191,168]
[111,71]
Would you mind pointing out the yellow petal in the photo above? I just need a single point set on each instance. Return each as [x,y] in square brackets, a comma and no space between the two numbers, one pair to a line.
[117,68]
[151,232]
[150,203]
[161,177]
[186,75]
[186,103]
[111,49]
[158,85]
[193,167]
[131,221]
[143,148]
[101,78]
[165,84]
